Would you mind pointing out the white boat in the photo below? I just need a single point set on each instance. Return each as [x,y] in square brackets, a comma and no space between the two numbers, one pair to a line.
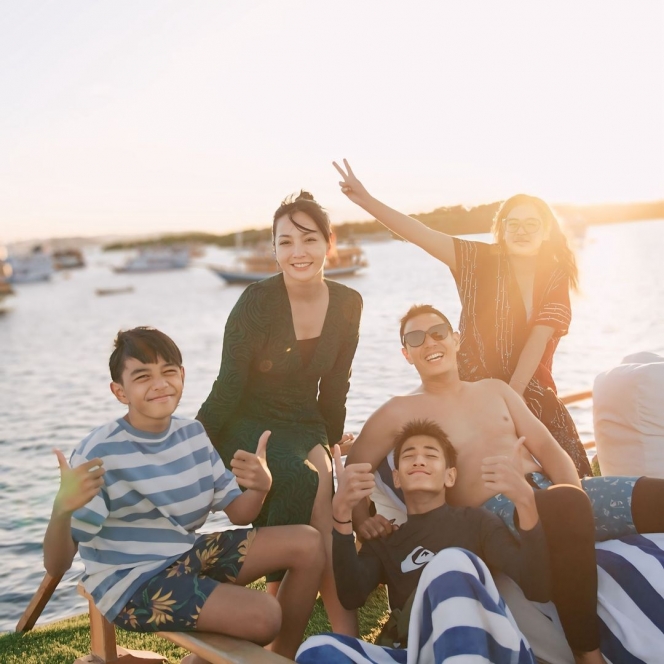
[346,260]
[34,266]
[157,258]
[68,259]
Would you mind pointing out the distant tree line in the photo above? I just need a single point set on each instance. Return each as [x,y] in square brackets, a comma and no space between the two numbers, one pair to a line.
[456,220]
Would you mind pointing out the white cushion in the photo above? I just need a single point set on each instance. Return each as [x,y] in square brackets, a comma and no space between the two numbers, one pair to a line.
[628,413]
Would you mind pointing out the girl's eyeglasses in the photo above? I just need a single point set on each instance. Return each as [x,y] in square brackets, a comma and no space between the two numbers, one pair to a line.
[528,225]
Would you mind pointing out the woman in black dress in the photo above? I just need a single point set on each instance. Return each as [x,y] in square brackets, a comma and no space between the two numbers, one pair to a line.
[288,347]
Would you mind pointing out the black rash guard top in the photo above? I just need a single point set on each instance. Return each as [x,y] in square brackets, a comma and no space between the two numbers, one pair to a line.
[397,560]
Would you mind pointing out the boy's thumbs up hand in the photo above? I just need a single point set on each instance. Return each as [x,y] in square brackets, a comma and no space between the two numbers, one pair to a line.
[261,449]
[251,470]
[504,474]
[355,482]
[78,486]
[338,463]
[517,457]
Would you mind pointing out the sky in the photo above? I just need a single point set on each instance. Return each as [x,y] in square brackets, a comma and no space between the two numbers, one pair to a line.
[124,117]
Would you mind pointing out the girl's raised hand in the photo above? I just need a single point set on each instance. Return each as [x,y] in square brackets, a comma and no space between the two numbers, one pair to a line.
[350,185]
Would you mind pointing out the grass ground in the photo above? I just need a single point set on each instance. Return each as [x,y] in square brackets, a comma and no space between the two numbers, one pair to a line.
[64,641]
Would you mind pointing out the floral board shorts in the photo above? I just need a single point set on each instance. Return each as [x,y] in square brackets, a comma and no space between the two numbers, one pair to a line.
[172,599]
[610,497]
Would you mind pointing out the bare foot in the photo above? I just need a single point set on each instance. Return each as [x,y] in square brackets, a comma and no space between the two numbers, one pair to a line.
[592,657]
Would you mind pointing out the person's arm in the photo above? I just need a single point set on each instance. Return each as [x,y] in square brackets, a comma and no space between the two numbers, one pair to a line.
[552,319]
[371,446]
[355,576]
[334,385]
[504,474]
[252,473]
[242,335]
[555,462]
[439,245]
[527,561]
[530,357]
[78,486]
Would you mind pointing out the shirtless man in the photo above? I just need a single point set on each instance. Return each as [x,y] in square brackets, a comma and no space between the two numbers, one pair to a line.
[484,421]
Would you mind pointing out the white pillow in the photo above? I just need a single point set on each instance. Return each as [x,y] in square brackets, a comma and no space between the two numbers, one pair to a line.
[628,413]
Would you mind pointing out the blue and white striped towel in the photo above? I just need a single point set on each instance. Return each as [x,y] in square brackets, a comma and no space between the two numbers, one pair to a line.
[457,615]
[630,606]
[630,599]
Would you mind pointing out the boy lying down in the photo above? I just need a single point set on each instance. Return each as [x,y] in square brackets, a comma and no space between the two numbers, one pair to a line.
[440,554]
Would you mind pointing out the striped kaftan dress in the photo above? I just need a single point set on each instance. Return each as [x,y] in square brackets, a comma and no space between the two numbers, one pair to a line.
[494,328]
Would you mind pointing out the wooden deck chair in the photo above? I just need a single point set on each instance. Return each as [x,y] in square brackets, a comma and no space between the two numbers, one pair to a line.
[215,648]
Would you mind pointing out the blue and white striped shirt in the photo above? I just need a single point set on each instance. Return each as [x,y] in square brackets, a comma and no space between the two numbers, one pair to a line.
[158,489]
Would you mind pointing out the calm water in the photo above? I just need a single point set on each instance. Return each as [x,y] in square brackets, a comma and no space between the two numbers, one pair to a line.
[54,348]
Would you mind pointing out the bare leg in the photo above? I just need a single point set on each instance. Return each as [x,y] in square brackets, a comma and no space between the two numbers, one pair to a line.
[298,550]
[254,615]
[342,620]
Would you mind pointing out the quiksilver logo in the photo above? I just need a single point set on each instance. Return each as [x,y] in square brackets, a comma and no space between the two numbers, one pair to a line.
[417,558]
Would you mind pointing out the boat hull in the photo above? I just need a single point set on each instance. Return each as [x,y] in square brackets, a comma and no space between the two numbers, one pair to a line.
[30,268]
[156,259]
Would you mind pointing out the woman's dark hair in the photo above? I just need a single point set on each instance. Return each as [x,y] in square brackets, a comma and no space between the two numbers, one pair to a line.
[145,344]
[424,428]
[303,202]
[557,242]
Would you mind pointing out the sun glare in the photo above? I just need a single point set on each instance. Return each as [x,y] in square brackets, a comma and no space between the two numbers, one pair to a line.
[204,116]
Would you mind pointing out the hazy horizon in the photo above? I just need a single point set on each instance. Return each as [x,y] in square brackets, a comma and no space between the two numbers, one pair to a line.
[112,237]
[124,118]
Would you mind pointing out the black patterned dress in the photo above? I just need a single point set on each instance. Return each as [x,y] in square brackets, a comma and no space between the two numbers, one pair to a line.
[264,384]
[494,330]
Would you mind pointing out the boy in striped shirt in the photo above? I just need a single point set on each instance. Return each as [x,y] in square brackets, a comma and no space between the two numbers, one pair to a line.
[138,489]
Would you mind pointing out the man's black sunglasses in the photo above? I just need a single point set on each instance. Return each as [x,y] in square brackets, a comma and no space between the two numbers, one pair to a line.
[416,338]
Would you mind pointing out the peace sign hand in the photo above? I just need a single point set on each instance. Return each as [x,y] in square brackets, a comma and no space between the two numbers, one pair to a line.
[78,486]
[351,186]
[251,470]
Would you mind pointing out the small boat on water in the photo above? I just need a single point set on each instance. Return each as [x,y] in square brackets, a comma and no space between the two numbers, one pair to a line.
[37,265]
[114,291]
[68,259]
[344,261]
[156,259]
